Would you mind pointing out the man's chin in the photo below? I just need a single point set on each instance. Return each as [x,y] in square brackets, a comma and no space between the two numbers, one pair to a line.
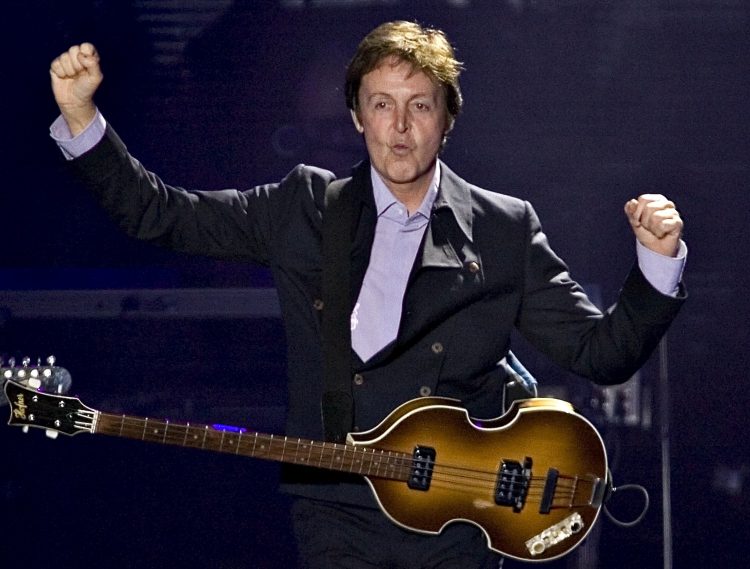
[406,174]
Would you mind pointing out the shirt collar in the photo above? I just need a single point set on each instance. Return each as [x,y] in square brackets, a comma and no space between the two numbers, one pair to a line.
[385,199]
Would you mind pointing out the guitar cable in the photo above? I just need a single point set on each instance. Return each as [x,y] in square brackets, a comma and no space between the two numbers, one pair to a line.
[612,490]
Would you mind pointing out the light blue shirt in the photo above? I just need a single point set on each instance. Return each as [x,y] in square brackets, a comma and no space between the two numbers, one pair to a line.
[398,235]
[377,312]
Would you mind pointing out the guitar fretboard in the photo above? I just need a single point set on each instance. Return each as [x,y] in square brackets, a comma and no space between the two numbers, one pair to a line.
[330,456]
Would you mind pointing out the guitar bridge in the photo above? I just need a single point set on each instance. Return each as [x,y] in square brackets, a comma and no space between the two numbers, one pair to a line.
[513,483]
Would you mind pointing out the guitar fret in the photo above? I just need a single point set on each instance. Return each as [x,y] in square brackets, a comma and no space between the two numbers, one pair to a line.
[333,455]
[302,447]
[239,442]
[255,442]
[205,434]
[355,460]
[283,450]
[187,430]
[145,423]
[263,449]
[166,426]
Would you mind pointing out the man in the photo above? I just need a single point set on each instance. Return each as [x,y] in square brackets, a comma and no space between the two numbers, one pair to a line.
[441,271]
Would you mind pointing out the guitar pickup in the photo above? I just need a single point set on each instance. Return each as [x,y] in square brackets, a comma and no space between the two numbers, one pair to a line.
[422,465]
[513,483]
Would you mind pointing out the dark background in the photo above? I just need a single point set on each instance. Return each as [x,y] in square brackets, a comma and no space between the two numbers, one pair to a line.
[575,105]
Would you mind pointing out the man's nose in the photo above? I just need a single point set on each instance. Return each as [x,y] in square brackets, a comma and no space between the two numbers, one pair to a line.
[402,120]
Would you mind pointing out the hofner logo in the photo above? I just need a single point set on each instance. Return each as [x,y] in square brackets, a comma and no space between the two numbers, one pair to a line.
[19,407]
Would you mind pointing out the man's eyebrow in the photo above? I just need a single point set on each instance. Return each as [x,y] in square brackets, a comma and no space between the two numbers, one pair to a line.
[425,94]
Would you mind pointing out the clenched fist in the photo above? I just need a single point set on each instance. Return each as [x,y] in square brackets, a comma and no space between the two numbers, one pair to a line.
[76,75]
[656,223]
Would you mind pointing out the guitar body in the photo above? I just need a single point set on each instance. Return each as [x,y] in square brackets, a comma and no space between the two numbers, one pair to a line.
[547,431]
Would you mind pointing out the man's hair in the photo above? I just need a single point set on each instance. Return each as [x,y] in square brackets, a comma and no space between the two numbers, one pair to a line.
[425,49]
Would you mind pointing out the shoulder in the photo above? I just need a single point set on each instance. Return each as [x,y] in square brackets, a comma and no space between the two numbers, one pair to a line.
[486,203]
[311,181]
[309,176]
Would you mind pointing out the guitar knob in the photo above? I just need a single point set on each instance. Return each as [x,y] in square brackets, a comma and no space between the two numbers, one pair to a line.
[51,434]
[538,546]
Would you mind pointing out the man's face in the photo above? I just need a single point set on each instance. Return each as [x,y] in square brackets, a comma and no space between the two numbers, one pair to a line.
[403,117]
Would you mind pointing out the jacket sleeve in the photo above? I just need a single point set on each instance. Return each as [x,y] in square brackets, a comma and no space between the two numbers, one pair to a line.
[559,319]
[225,224]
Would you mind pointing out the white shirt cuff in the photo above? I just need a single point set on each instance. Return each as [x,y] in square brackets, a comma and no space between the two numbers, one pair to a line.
[75,146]
[664,273]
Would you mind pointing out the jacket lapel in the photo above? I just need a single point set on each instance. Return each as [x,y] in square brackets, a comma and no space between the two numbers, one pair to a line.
[364,218]
[448,240]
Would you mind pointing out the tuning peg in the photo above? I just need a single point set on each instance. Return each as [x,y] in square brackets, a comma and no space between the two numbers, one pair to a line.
[26,361]
[11,362]
[51,360]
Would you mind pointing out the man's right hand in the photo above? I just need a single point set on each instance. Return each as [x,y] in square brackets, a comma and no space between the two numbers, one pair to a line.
[76,75]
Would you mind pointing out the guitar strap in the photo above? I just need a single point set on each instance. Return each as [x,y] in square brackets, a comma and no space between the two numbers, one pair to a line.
[337,404]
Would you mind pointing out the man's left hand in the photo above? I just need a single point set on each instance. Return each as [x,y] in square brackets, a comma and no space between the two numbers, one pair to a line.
[656,223]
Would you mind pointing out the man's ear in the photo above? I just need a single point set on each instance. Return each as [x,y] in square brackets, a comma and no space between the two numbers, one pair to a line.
[357,124]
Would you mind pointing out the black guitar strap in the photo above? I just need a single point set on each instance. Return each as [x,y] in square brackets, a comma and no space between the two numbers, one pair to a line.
[337,405]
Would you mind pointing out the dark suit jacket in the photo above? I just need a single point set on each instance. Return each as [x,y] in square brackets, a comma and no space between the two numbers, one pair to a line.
[484,267]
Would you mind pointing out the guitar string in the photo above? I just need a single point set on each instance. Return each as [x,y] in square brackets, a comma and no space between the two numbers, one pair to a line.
[397,459]
[563,497]
[439,479]
[403,461]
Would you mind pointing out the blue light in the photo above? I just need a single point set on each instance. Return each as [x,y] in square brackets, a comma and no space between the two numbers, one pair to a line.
[229,428]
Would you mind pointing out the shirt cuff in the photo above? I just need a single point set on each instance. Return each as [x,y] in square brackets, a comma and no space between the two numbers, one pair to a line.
[664,273]
[74,146]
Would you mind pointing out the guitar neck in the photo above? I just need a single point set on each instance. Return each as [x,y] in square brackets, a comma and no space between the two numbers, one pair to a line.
[329,456]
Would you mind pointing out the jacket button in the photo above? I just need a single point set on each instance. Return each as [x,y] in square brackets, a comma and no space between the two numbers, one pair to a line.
[358,379]
[318,304]
[473,267]
[425,391]
[436,348]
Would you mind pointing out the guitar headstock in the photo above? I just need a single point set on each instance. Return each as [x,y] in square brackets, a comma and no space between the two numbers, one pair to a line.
[56,413]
